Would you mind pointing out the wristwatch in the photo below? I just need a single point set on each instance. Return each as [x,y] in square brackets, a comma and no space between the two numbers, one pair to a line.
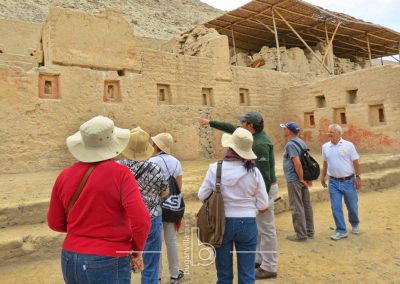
[358,176]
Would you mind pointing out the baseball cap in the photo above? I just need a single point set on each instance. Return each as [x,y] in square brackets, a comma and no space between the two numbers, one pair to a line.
[251,117]
[292,126]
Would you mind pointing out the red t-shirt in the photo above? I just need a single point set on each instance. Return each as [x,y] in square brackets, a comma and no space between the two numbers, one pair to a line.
[109,218]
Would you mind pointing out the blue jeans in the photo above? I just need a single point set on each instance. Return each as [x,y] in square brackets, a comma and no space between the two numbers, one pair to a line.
[243,233]
[346,189]
[79,268]
[152,252]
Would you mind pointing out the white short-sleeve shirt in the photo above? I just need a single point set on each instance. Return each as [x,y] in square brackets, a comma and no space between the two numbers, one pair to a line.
[340,158]
[168,164]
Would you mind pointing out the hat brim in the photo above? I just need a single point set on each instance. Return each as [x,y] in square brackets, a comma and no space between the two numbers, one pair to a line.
[226,141]
[161,146]
[132,155]
[96,154]
[240,118]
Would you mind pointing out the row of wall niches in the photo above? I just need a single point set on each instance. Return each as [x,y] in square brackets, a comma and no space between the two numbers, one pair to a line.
[49,88]
[376,116]
[351,98]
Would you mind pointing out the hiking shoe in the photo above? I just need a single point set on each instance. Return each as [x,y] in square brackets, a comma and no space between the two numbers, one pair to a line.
[355,230]
[257,265]
[177,279]
[310,236]
[295,238]
[263,274]
[338,236]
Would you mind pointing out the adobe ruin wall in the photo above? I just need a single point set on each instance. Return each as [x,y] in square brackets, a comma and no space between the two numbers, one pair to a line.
[103,69]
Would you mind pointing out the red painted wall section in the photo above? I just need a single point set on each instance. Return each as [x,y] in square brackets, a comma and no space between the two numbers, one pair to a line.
[368,139]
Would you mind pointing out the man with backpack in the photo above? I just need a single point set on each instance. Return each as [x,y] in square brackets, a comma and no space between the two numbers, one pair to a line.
[298,192]
[267,256]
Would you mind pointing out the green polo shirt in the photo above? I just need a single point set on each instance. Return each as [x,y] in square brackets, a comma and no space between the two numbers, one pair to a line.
[262,147]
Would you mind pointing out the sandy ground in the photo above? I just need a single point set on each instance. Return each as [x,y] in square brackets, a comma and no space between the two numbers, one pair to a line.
[372,257]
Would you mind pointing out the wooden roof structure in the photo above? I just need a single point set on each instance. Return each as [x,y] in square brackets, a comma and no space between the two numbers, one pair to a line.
[298,24]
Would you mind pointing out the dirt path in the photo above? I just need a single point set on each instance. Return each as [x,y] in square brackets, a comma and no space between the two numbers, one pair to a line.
[372,257]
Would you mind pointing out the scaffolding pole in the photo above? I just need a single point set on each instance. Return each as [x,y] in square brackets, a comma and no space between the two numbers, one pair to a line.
[234,46]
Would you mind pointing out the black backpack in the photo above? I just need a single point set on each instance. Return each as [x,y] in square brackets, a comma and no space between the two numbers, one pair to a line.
[173,207]
[310,166]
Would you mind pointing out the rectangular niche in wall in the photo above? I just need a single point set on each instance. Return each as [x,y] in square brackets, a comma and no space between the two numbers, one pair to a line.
[112,91]
[163,94]
[49,86]
[321,101]
[376,115]
[207,98]
[340,116]
[352,96]
[244,97]
[309,120]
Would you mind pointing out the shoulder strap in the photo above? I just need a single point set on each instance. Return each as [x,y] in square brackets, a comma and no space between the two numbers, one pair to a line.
[298,145]
[167,166]
[218,177]
[80,188]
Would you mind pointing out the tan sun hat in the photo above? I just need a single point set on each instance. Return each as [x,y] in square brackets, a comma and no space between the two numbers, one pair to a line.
[98,140]
[241,142]
[163,141]
[139,147]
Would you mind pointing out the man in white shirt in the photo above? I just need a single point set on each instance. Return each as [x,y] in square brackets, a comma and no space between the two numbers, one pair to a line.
[341,164]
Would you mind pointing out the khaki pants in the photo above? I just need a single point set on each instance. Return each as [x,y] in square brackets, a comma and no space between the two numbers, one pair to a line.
[302,212]
[267,254]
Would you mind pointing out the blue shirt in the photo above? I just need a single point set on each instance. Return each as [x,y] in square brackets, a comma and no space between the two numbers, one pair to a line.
[291,151]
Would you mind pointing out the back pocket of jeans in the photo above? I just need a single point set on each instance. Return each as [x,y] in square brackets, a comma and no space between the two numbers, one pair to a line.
[103,271]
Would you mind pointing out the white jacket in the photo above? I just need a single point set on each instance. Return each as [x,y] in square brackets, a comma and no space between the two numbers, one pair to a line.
[244,193]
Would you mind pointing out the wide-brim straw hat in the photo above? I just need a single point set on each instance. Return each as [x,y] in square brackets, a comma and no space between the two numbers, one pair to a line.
[241,141]
[139,147]
[98,140]
[163,141]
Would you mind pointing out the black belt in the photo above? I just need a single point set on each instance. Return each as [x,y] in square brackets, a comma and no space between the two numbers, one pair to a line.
[342,179]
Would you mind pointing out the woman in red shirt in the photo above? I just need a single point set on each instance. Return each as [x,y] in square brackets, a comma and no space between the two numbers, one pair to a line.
[108,219]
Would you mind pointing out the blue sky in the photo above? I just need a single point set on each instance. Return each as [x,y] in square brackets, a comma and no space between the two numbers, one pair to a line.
[381,12]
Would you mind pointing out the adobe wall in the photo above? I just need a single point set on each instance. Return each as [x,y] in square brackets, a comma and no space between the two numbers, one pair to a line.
[103,40]
[359,95]
[19,43]
[84,75]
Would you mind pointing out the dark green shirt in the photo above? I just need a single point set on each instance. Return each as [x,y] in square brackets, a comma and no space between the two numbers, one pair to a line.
[262,147]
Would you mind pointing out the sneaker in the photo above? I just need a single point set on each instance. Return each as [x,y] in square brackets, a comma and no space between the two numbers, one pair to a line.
[295,238]
[263,274]
[355,230]
[177,279]
[257,265]
[338,236]
[310,236]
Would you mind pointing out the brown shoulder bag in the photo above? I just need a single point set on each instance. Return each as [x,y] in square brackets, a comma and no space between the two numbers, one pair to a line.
[211,216]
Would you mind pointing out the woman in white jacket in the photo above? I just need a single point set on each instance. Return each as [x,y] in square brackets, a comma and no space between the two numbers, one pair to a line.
[244,194]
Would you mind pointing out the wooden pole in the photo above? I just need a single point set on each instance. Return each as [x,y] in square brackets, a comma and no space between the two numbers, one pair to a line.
[329,45]
[399,52]
[234,46]
[278,52]
[369,52]
[266,26]
[302,40]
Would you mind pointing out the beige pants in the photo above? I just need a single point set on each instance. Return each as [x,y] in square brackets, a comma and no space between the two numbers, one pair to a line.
[169,235]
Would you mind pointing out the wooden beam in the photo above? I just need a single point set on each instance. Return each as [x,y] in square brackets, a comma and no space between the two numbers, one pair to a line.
[369,52]
[266,26]
[329,45]
[302,40]
[234,46]
[278,51]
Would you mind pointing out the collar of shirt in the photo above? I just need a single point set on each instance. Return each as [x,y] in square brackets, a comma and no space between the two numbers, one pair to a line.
[338,143]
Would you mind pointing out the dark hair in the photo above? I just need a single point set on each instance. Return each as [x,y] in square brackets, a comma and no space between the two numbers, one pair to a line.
[259,127]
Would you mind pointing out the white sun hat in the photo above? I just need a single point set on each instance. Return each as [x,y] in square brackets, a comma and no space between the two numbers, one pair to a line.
[139,147]
[241,142]
[98,140]
[163,141]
